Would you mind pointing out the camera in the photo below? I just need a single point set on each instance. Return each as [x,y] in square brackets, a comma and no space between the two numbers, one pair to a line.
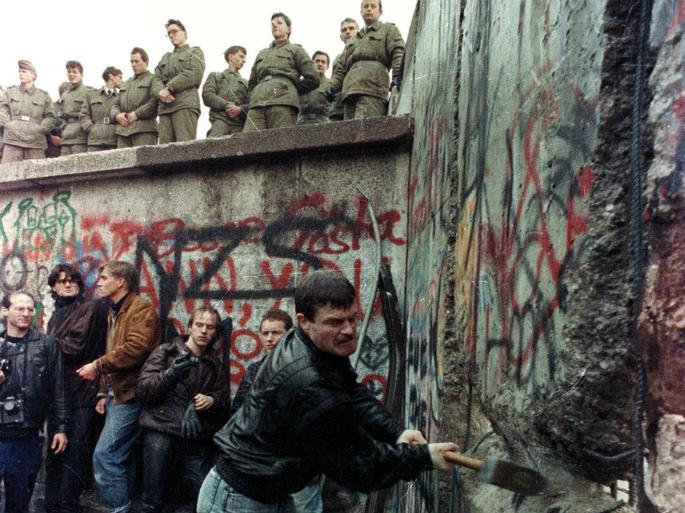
[11,405]
[12,410]
[5,366]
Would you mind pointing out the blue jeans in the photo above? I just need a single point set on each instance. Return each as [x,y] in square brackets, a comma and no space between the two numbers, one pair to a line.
[308,500]
[114,464]
[19,465]
[217,496]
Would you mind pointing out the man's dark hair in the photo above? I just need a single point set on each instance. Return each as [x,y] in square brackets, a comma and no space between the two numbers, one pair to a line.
[74,64]
[232,50]
[142,53]
[69,272]
[319,52]
[276,314]
[281,15]
[7,299]
[121,269]
[177,23]
[219,333]
[110,70]
[349,20]
[322,288]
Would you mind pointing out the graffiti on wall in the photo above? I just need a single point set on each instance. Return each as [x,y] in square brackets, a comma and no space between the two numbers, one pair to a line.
[241,267]
[523,209]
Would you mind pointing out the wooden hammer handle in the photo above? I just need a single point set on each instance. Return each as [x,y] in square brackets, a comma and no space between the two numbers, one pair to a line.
[464,461]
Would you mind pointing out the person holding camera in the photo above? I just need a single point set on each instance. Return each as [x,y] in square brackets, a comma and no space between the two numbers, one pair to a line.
[31,386]
[185,401]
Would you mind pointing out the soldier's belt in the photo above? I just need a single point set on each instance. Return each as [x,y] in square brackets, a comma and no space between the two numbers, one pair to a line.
[104,121]
[369,63]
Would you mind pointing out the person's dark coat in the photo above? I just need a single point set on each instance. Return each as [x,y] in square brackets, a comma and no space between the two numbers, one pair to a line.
[305,415]
[44,390]
[165,403]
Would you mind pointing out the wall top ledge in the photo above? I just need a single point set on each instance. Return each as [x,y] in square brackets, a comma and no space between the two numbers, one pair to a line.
[340,137]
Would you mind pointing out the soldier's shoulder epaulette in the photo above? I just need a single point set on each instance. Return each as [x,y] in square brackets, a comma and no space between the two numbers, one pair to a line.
[41,90]
[91,88]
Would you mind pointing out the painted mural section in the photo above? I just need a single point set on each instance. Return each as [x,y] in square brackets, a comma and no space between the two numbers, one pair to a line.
[238,240]
[429,95]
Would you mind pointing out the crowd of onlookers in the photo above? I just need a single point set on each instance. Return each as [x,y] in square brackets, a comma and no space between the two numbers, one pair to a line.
[286,86]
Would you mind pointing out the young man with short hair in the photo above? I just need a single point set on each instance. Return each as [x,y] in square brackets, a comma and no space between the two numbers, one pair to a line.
[314,106]
[31,387]
[226,95]
[95,117]
[79,326]
[348,29]
[135,107]
[73,139]
[306,414]
[134,331]
[185,401]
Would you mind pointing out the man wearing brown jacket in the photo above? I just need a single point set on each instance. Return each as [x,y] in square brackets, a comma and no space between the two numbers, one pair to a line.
[133,332]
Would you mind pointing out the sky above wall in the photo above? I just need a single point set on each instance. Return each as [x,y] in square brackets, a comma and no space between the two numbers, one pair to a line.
[99,34]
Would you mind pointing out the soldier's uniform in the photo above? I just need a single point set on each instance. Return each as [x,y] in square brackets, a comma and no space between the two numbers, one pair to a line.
[336,112]
[96,121]
[363,70]
[27,115]
[139,95]
[181,72]
[314,106]
[279,75]
[222,90]
[74,139]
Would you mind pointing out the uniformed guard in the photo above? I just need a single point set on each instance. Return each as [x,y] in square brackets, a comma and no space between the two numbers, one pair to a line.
[279,75]
[135,107]
[363,71]
[181,72]
[314,106]
[95,117]
[27,116]
[226,95]
[348,29]
[73,139]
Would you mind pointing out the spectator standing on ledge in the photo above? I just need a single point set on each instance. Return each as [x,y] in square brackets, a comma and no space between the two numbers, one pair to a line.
[31,386]
[79,326]
[186,400]
[95,114]
[306,414]
[135,107]
[348,29]
[226,95]
[73,139]
[363,71]
[133,332]
[27,115]
[279,75]
[181,72]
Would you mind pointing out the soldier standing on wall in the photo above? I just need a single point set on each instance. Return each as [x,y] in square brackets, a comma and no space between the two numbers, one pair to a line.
[73,139]
[314,106]
[181,71]
[226,95]
[279,75]
[363,71]
[95,114]
[348,29]
[27,116]
[135,107]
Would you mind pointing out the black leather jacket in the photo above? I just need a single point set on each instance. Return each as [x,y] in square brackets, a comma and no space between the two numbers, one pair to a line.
[306,415]
[37,376]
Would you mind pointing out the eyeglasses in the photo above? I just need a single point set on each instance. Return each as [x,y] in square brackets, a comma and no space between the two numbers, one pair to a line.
[172,32]
[66,281]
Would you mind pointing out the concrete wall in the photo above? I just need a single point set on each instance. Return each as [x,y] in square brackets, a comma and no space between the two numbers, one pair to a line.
[235,223]
[662,323]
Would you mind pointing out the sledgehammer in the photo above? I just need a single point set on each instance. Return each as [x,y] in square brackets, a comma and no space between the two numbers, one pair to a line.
[502,473]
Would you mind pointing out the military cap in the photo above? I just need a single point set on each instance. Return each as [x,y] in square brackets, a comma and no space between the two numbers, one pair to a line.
[27,65]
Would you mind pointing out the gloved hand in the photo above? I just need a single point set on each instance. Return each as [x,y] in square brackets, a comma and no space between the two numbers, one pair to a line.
[396,79]
[179,369]
[191,427]
[330,93]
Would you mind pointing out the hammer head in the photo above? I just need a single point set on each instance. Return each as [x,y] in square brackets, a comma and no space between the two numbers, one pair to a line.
[505,474]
